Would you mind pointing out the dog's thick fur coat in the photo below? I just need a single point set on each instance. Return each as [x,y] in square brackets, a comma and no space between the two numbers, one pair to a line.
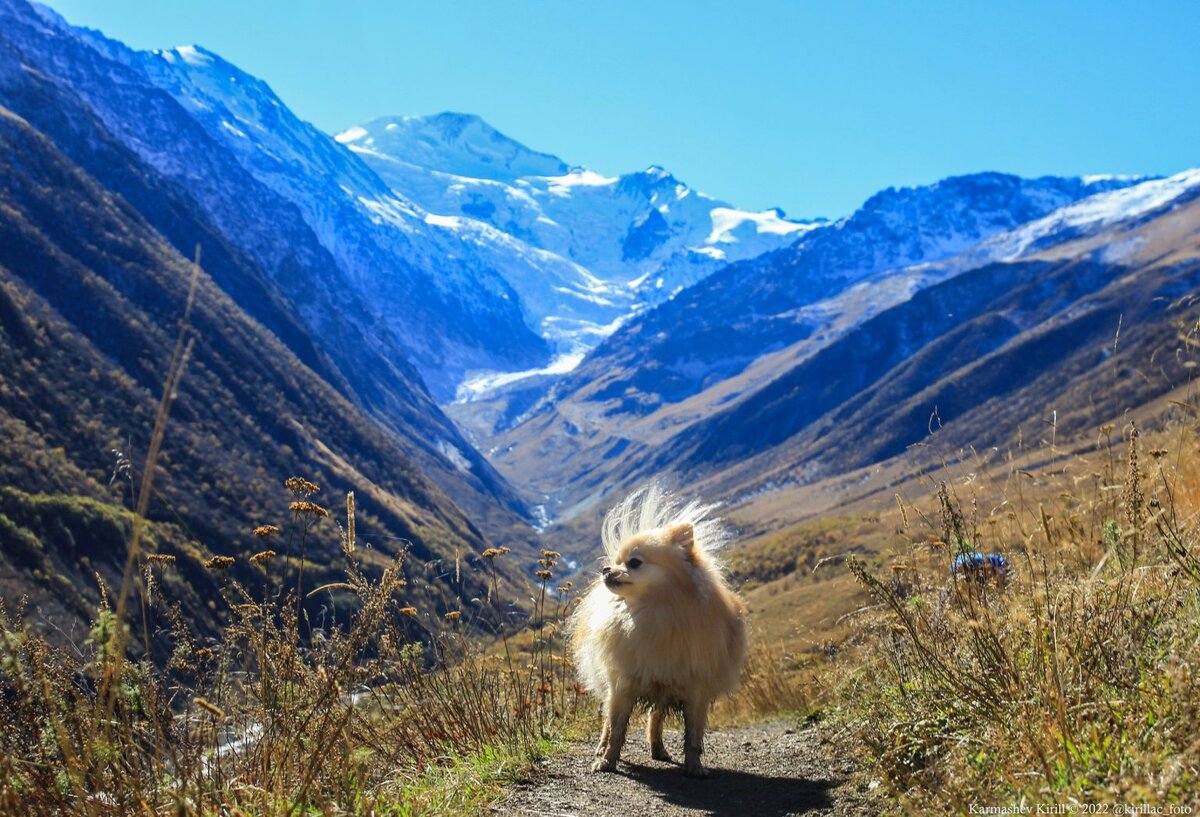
[661,627]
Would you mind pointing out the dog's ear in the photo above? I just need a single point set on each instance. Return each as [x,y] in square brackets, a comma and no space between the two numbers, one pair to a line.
[683,536]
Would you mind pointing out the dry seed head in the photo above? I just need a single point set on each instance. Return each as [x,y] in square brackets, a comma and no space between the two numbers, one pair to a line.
[210,708]
[408,611]
[544,574]
[161,558]
[453,615]
[265,530]
[491,553]
[1133,496]
[1019,616]
[309,508]
[262,558]
[903,512]
[331,586]
[301,487]
[219,562]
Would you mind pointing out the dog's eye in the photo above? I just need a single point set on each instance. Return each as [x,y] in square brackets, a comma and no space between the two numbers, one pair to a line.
[634,563]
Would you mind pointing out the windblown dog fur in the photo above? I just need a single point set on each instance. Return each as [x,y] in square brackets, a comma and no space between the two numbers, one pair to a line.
[661,627]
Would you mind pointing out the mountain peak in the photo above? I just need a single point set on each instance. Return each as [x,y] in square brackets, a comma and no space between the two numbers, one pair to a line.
[462,144]
[198,59]
[646,182]
[194,55]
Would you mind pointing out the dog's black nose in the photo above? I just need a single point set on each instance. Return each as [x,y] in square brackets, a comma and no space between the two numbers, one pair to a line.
[605,570]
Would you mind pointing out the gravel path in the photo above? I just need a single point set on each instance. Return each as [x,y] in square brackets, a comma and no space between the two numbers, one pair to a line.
[762,770]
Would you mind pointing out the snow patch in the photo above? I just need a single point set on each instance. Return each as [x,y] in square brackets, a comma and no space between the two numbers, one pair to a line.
[351,135]
[477,384]
[726,222]
[193,56]
[578,177]
[455,456]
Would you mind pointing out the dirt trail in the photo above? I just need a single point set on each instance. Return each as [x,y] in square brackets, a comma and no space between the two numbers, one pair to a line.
[762,770]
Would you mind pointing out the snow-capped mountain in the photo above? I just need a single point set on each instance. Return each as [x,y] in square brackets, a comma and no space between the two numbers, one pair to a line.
[719,326]
[1068,226]
[306,208]
[474,254]
[731,339]
[154,158]
[615,245]
[1022,327]
[1084,218]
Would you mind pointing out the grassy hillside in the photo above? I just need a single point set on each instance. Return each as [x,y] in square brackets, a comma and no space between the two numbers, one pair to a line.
[1065,680]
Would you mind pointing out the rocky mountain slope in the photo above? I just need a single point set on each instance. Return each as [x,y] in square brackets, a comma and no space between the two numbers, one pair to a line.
[670,391]
[93,278]
[326,229]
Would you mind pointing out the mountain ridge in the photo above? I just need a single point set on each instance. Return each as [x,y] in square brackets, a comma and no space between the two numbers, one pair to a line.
[276,193]
[614,418]
[92,295]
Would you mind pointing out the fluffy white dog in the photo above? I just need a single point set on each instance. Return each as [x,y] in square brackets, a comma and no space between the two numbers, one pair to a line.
[661,628]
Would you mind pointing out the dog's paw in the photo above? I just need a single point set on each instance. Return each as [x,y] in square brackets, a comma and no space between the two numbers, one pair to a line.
[696,769]
[604,765]
[659,753]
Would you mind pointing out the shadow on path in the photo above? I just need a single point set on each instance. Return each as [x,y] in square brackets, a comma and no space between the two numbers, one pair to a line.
[731,793]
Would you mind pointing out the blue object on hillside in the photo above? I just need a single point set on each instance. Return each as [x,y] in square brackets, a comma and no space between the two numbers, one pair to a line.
[981,566]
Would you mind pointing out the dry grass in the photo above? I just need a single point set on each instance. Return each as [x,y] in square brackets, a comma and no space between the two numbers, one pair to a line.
[773,684]
[283,714]
[1074,680]
[337,699]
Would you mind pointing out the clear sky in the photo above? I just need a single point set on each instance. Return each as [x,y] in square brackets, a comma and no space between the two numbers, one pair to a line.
[807,106]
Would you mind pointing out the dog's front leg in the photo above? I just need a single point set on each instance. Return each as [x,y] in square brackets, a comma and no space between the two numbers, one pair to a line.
[617,710]
[695,720]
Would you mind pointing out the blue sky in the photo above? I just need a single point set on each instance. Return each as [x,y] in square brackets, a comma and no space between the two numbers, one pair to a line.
[811,107]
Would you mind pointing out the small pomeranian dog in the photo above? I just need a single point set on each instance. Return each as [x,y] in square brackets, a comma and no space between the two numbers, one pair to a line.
[660,628]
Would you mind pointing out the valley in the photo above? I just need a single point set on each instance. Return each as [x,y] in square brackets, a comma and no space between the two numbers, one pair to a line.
[537,338]
[307,436]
